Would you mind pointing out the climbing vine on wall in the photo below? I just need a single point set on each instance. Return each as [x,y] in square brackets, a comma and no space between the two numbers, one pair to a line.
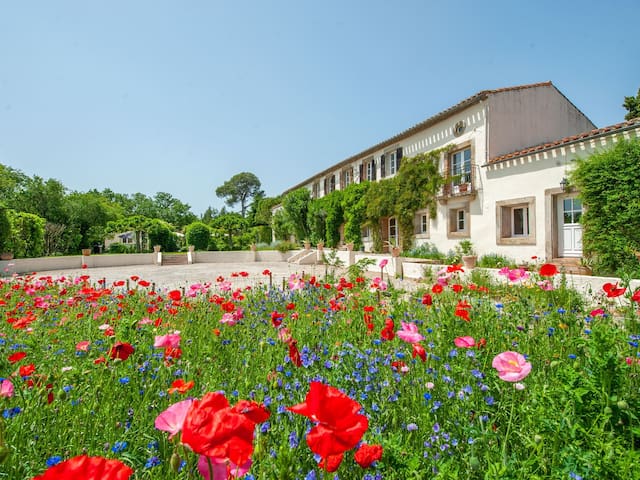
[354,207]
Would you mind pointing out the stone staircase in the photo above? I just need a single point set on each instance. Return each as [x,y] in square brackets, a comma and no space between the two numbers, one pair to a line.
[305,257]
[174,259]
[571,266]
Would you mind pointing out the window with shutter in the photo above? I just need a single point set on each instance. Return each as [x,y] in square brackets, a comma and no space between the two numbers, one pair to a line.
[382,167]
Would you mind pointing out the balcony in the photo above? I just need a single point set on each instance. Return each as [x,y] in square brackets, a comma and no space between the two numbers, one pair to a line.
[463,185]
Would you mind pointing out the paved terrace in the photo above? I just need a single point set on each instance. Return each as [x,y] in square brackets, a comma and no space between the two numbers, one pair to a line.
[182,276]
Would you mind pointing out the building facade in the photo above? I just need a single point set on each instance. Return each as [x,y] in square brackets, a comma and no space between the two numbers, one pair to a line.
[507,164]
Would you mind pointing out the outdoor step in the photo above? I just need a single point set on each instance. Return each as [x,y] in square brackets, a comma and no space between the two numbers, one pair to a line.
[572,266]
[174,260]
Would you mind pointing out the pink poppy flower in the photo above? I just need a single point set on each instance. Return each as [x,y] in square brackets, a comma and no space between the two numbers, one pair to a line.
[172,419]
[82,346]
[409,333]
[464,342]
[511,366]
[6,388]
[383,263]
[171,340]
[220,469]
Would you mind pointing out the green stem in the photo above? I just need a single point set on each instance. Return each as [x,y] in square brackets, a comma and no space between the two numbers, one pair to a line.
[506,438]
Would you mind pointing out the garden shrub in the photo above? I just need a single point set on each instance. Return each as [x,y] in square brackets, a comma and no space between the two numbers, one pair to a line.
[27,234]
[494,260]
[198,234]
[609,186]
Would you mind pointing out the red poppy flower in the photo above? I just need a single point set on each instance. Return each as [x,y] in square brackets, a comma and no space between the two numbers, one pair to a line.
[331,463]
[339,426]
[180,386]
[144,283]
[26,370]
[612,290]
[294,354]
[437,288]
[121,351]
[388,332]
[175,295]
[427,299]
[636,296]
[455,268]
[276,318]
[16,357]
[87,468]
[419,351]
[214,429]
[367,454]
[457,288]
[548,270]
[266,272]
[118,283]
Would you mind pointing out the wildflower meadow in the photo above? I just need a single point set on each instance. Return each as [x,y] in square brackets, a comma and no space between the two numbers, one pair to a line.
[320,378]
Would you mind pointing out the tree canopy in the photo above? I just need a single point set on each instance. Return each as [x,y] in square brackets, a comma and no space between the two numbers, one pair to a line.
[632,104]
[240,189]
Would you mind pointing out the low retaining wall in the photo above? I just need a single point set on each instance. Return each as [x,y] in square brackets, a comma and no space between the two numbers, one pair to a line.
[44,264]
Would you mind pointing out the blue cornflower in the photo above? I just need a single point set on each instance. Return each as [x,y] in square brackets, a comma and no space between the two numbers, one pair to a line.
[124,380]
[264,428]
[572,356]
[53,460]
[489,400]
[119,446]
[152,462]
[412,427]
[293,439]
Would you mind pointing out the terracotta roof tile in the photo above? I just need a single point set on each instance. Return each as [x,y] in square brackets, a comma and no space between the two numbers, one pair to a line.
[566,140]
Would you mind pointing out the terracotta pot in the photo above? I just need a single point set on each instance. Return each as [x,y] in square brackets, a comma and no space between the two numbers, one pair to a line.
[469,261]
[6,256]
[86,252]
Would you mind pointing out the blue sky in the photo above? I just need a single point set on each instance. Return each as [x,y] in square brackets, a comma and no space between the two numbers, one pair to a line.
[178,96]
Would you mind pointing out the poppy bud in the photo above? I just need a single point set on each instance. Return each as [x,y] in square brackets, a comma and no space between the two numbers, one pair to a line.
[175,462]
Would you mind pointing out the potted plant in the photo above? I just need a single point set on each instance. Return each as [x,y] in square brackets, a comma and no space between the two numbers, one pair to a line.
[468,254]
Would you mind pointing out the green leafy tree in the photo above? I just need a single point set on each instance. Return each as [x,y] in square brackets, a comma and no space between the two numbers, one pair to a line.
[208,215]
[172,210]
[231,226]
[281,225]
[198,234]
[632,104]
[240,189]
[161,233]
[45,198]
[138,224]
[609,186]
[317,219]
[296,206]
[89,213]
[12,182]
[27,234]
[5,228]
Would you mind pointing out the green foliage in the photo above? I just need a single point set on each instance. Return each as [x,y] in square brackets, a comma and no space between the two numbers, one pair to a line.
[296,206]
[415,187]
[198,234]
[286,246]
[354,207]
[282,226]
[494,260]
[120,248]
[138,224]
[161,233]
[27,234]
[5,228]
[609,186]
[417,183]
[239,189]
[325,216]
[426,250]
[229,229]
[632,105]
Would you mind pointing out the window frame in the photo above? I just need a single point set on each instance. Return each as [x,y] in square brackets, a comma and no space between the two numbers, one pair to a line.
[505,221]
[422,222]
[465,167]
[453,230]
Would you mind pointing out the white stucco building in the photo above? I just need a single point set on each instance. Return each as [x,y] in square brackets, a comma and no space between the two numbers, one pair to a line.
[511,148]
